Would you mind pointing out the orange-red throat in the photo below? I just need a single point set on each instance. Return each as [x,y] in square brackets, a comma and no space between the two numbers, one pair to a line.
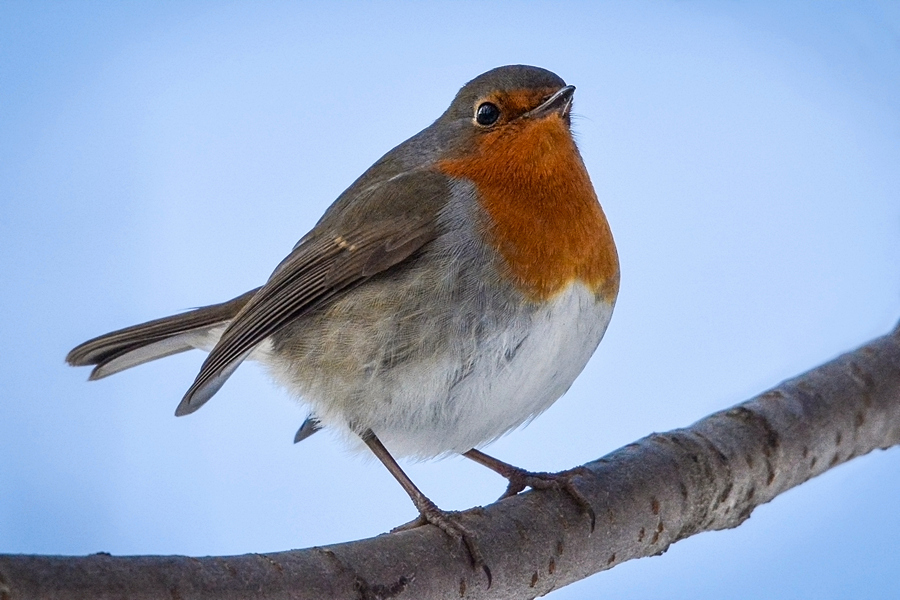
[545,219]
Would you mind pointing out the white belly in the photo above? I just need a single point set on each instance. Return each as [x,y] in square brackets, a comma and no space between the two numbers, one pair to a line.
[458,400]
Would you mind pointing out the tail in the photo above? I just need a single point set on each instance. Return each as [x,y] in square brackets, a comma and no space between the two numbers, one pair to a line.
[142,343]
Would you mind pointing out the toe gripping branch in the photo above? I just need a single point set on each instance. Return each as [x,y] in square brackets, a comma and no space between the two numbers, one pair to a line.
[429,513]
[519,479]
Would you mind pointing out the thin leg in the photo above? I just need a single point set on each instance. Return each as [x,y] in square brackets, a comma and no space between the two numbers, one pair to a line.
[519,479]
[428,510]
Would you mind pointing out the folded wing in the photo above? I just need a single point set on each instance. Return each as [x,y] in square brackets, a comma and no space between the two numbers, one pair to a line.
[385,225]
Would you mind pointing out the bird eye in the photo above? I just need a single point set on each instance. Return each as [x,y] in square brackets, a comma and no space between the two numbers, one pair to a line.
[487,113]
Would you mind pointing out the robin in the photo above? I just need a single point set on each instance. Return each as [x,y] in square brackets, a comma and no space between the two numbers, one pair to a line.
[450,294]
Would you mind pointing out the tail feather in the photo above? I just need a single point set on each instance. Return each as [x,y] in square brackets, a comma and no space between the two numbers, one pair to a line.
[138,355]
[132,346]
[309,427]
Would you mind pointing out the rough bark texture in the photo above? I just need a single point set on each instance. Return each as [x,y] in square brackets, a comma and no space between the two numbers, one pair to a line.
[646,496]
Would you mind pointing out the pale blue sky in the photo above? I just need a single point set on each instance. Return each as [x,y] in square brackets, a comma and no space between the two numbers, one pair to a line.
[158,156]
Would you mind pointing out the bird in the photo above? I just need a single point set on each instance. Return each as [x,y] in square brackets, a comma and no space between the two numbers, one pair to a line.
[452,293]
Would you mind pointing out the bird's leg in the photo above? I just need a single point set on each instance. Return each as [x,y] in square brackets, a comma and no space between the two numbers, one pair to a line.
[428,510]
[519,479]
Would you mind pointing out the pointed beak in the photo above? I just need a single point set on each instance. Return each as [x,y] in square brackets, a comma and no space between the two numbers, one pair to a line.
[560,102]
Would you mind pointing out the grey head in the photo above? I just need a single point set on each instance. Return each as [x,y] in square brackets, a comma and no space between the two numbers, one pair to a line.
[506,79]
[455,129]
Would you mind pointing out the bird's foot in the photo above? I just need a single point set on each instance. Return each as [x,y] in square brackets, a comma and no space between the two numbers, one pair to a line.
[519,479]
[449,523]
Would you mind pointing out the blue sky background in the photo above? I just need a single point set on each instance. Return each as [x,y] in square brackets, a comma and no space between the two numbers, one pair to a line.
[159,156]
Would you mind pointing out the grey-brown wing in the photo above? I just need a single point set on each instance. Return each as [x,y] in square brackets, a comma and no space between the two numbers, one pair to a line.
[336,257]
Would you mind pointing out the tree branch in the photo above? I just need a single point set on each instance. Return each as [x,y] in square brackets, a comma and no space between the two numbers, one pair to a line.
[647,495]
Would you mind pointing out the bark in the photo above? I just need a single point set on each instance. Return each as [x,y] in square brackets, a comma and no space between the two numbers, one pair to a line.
[646,496]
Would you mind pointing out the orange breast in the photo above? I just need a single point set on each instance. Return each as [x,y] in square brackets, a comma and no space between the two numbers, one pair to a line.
[546,221]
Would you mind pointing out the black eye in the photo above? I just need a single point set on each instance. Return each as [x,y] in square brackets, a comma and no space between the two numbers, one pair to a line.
[487,114]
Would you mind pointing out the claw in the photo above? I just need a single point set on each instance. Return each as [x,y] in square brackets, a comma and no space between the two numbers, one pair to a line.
[417,522]
[519,479]
[448,522]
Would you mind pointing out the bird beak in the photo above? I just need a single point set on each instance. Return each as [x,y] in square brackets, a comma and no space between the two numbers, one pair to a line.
[560,102]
